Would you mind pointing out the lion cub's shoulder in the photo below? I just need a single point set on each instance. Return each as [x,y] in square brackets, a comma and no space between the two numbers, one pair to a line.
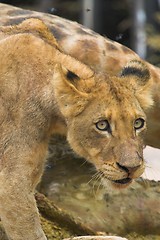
[30,26]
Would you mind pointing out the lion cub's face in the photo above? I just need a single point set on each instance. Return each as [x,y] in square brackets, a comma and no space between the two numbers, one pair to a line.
[106,119]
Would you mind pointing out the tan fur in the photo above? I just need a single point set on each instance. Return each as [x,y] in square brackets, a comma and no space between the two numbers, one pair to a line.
[100,53]
[44,91]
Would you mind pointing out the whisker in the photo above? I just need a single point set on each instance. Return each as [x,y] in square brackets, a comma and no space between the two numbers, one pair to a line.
[98,180]
[99,185]
[84,162]
[94,176]
[94,179]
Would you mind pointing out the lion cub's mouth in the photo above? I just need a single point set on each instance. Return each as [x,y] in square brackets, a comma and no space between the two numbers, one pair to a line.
[122,182]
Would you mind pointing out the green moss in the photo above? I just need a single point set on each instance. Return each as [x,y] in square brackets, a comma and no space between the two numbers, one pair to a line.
[53,231]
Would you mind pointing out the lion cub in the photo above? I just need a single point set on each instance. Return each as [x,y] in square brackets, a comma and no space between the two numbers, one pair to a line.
[44,91]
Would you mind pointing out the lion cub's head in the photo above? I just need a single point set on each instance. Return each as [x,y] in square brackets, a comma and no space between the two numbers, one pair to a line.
[106,118]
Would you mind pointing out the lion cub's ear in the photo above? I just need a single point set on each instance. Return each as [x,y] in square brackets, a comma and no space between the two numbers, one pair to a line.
[138,77]
[138,70]
[71,91]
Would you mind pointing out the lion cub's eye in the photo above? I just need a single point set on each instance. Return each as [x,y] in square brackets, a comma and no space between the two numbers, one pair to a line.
[139,123]
[103,125]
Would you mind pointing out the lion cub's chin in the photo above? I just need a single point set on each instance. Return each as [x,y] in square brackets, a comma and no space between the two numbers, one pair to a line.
[121,183]
[117,184]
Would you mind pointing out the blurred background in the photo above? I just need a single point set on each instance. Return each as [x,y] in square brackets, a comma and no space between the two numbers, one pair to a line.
[134,23]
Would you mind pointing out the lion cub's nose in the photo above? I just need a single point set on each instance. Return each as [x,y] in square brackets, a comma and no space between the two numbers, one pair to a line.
[128,169]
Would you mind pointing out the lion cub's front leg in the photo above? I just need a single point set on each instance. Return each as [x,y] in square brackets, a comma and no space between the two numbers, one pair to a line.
[26,105]
[18,177]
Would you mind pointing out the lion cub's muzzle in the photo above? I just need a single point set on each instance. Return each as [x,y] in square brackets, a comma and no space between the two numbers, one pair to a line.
[132,172]
[129,163]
